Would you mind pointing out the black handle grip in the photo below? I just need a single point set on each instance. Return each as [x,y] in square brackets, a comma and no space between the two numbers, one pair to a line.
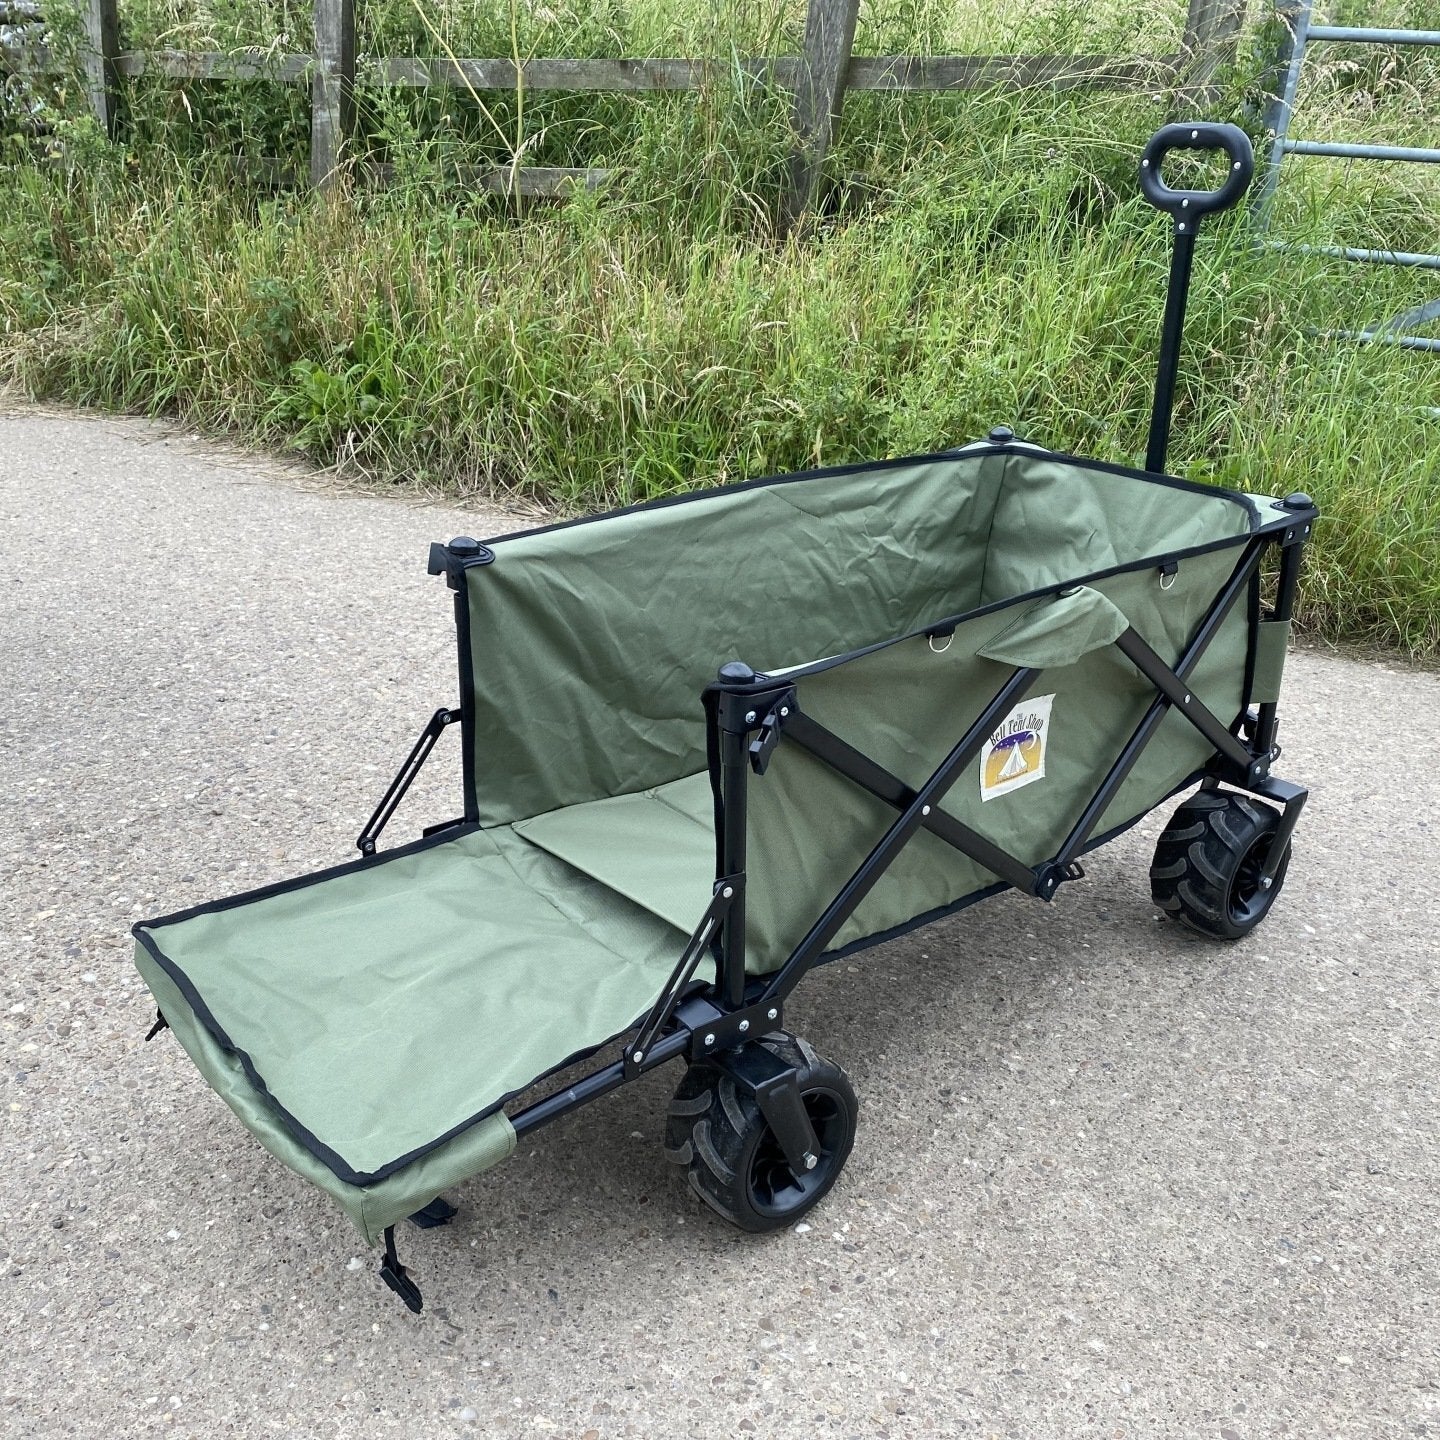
[1190,205]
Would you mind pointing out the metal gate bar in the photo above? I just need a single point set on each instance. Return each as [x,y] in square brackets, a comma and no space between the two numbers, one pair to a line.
[1295,16]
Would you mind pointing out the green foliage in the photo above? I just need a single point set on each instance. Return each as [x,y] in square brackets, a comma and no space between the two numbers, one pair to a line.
[985,258]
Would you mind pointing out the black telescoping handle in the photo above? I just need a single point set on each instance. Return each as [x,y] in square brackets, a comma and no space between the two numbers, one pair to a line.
[1188,208]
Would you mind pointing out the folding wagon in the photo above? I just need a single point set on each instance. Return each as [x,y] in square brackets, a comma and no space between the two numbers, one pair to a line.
[712,742]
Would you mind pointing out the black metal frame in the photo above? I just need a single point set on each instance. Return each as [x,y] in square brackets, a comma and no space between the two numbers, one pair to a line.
[749,716]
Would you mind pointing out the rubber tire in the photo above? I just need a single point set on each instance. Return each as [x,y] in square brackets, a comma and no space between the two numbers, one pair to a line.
[715,1129]
[1205,869]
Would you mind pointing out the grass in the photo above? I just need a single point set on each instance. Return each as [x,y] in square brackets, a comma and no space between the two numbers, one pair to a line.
[990,261]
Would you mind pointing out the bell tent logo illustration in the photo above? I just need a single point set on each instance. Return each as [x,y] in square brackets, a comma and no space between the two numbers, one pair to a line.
[1014,755]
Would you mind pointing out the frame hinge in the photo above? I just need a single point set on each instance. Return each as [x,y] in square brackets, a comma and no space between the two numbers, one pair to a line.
[1252,775]
[1304,514]
[762,747]
[1049,878]
[741,711]
[713,1030]
[454,559]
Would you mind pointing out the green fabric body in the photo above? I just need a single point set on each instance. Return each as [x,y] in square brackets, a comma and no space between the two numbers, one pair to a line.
[391,1007]
[591,642]
[906,705]
[656,848]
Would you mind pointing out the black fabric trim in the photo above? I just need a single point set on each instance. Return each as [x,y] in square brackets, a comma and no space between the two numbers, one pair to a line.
[196,1002]
[710,492]
[300,882]
[335,1162]
[469,783]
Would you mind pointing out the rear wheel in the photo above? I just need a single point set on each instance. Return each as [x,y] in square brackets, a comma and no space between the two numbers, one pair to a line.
[1206,872]
[734,1162]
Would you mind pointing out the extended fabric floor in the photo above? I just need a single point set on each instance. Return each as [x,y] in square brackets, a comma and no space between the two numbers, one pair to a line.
[385,1005]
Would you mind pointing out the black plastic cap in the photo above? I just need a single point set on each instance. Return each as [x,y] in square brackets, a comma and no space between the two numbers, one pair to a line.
[736,672]
[1001,435]
[465,547]
[1299,500]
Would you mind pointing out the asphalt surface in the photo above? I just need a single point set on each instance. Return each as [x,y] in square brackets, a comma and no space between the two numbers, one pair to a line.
[1110,1180]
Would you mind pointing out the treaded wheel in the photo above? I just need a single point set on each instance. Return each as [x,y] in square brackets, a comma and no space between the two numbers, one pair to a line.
[1206,872]
[734,1162]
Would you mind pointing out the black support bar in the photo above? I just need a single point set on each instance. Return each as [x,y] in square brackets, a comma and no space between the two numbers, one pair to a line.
[840,755]
[1182,261]
[1084,827]
[1109,787]
[404,778]
[734,782]
[593,1086]
[1287,587]
[1181,697]
[859,885]
[728,893]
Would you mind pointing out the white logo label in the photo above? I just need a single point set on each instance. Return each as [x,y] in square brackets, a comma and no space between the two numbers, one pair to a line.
[1014,755]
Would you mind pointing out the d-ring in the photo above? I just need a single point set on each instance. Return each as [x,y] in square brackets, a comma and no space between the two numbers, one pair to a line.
[941,649]
[1166,581]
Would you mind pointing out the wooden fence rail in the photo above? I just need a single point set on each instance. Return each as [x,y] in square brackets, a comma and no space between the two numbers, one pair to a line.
[820,77]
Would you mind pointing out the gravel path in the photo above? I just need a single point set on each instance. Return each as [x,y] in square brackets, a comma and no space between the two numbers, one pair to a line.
[1110,1181]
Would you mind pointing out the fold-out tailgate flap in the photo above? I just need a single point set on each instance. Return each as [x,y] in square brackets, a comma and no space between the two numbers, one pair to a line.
[385,1006]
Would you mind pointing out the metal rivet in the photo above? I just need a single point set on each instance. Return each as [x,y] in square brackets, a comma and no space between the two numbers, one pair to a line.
[1194,134]
[1184,204]
[1180,228]
[924,809]
[638,1056]
[1235,166]
[709,1039]
[1144,164]
[728,891]
[784,711]
[749,717]
[1185,701]
[772,1014]
[744,1026]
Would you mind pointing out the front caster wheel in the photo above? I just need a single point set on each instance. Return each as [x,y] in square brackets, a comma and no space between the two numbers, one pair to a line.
[734,1162]
[1206,872]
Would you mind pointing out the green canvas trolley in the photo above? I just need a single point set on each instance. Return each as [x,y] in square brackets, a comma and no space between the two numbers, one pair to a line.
[710,743]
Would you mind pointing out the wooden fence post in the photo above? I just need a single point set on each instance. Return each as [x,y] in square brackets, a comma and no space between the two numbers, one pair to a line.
[102,45]
[1212,28]
[332,90]
[819,95]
